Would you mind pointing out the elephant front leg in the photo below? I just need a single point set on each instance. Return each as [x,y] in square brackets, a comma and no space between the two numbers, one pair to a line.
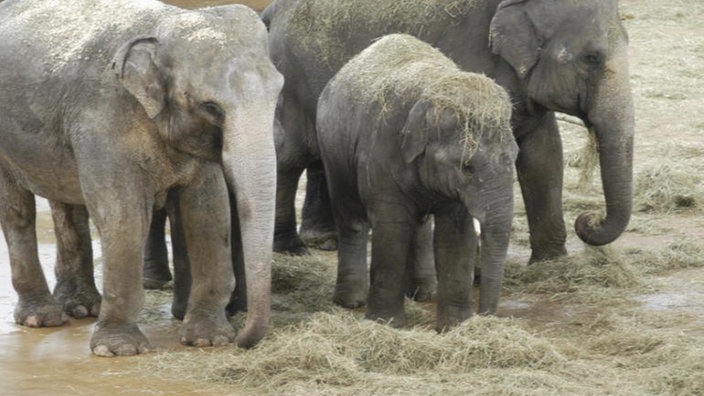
[203,208]
[539,168]
[391,244]
[455,248]
[75,281]
[122,236]
[36,307]
[352,285]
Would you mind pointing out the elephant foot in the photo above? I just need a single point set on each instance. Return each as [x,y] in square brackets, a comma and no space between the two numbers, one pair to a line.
[394,318]
[203,330]
[422,289]
[350,295]
[79,301]
[43,313]
[547,253]
[319,238]
[156,274]
[449,316]
[111,340]
[291,244]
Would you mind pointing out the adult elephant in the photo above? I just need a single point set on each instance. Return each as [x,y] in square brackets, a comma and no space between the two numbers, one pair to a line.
[550,55]
[117,108]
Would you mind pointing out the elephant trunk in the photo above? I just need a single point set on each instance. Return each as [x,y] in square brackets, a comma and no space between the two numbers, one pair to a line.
[249,164]
[611,119]
[495,235]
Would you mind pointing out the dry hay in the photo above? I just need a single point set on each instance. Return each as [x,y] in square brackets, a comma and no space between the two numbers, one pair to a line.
[584,277]
[668,187]
[343,350]
[400,69]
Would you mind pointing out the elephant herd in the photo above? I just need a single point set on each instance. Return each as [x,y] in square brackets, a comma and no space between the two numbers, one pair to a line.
[408,116]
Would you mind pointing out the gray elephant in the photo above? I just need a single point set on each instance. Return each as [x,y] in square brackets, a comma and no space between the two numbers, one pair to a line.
[549,55]
[404,133]
[116,105]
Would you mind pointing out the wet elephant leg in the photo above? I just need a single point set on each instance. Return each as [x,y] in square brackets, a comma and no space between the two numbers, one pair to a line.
[317,224]
[156,256]
[203,209]
[36,307]
[540,173]
[75,281]
[422,281]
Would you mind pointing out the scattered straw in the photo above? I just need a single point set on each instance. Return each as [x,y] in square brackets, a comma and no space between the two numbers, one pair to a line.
[668,187]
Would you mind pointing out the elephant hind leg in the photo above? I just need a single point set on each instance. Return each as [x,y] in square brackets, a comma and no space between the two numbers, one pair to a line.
[75,283]
[156,257]
[36,307]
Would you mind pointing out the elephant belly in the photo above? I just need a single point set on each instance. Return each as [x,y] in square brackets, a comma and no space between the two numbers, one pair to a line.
[42,165]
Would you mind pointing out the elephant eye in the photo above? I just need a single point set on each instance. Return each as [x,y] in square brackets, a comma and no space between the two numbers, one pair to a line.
[593,58]
[213,111]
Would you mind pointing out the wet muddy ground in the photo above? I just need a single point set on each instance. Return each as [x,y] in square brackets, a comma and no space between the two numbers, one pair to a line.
[58,361]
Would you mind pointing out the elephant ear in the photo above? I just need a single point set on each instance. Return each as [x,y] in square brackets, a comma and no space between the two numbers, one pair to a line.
[134,66]
[512,36]
[414,135]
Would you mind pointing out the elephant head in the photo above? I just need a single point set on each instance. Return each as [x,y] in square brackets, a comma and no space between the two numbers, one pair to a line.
[465,153]
[571,57]
[219,106]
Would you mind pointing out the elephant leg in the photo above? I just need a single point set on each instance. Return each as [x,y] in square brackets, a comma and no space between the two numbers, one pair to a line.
[75,281]
[123,235]
[182,266]
[156,256]
[540,173]
[238,298]
[286,238]
[423,281]
[35,307]
[317,224]
[392,237]
[455,248]
[352,285]
[203,207]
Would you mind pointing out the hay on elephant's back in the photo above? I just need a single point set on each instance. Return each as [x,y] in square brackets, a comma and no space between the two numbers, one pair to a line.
[318,21]
[400,67]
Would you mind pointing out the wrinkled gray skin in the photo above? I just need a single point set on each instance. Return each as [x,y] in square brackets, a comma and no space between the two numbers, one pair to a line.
[114,110]
[392,162]
[550,55]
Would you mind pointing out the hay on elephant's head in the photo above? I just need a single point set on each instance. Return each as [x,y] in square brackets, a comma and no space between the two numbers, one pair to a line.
[399,69]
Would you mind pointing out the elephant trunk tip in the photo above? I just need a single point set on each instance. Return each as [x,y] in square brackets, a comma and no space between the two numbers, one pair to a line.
[595,229]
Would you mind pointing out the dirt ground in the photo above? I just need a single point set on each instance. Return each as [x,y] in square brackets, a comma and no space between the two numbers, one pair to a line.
[667,308]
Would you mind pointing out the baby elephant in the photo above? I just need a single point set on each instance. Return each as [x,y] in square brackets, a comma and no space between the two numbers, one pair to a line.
[403,134]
